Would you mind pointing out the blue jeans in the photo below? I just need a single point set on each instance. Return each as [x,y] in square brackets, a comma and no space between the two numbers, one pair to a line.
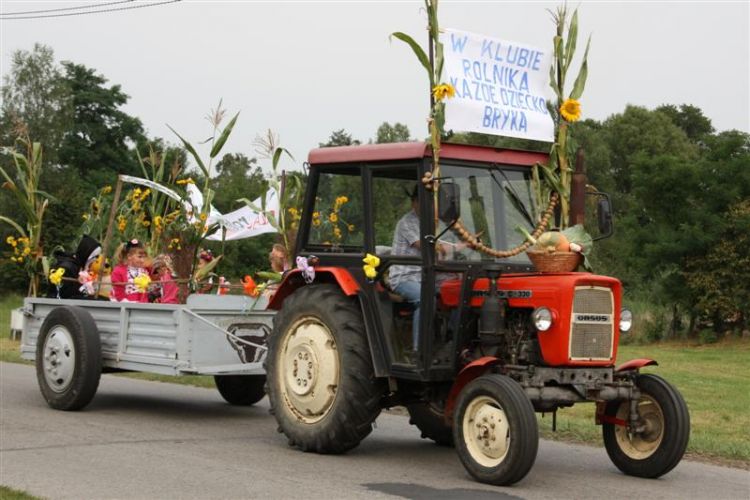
[411,291]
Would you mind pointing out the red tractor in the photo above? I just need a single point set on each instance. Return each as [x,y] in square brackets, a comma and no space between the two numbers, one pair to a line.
[478,345]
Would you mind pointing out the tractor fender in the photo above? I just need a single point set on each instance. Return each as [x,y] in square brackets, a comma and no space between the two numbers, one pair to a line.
[635,364]
[468,373]
[294,279]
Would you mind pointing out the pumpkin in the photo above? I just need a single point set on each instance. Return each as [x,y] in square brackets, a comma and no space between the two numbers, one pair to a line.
[552,241]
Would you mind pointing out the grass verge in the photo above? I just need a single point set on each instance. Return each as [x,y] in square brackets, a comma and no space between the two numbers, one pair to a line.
[11,494]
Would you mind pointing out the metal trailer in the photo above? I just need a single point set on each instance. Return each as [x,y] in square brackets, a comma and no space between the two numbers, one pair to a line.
[74,341]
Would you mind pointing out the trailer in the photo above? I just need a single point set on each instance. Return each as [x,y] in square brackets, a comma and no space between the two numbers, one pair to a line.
[73,342]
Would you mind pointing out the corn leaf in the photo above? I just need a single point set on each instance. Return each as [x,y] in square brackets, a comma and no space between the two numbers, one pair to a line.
[202,272]
[192,151]
[580,82]
[223,137]
[570,46]
[277,156]
[13,223]
[419,52]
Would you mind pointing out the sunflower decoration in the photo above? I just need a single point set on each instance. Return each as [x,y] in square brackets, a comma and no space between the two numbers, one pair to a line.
[440,92]
[571,110]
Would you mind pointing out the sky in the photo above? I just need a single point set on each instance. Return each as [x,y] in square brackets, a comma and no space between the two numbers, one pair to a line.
[307,68]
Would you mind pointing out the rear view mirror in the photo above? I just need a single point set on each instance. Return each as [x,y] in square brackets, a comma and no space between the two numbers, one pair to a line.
[604,216]
[449,202]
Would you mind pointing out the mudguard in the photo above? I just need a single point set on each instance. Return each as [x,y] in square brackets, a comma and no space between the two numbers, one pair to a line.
[468,373]
[294,280]
[635,364]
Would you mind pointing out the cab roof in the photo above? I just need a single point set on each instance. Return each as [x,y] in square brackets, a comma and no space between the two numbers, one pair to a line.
[417,150]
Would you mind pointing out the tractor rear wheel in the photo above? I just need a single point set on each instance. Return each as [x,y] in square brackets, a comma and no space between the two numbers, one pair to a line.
[495,430]
[430,420]
[661,443]
[321,384]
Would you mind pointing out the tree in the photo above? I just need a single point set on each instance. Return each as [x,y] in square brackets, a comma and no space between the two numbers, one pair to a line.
[98,142]
[36,97]
[690,119]
[339,138]
[237,177]
[398,132]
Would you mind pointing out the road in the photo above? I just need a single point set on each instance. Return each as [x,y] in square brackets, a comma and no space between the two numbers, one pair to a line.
[141,439]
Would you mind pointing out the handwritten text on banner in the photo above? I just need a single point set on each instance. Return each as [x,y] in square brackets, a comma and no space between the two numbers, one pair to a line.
[501,86]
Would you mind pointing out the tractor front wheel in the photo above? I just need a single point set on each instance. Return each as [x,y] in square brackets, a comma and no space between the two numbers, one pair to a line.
[659,442]
[495,430]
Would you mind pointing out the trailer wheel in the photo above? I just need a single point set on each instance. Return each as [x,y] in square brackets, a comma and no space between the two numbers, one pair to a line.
[495,430]
[430,420]
[659,447]
[68,358]
[241,390]
[321,384]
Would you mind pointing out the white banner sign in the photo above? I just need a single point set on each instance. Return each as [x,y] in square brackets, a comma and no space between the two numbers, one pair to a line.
[246,223]
[501,87]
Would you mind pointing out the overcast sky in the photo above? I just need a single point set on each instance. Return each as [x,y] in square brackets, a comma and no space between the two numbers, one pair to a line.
[305,69]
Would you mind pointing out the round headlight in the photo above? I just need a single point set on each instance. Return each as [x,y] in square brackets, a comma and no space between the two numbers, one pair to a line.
[626,320]
[542,318]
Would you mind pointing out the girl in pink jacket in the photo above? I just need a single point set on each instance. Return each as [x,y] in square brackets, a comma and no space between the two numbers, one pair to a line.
[167,291]
[130,278]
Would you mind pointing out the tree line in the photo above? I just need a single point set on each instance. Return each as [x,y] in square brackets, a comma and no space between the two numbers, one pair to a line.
[680,189]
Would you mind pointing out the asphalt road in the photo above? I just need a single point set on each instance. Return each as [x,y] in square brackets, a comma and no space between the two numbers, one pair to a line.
[141,439]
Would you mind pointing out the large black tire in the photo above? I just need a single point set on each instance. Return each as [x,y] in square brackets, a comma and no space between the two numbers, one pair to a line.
[321,384]
[495,430]
[241,390]
[68,358]
[430,420]
[661,446]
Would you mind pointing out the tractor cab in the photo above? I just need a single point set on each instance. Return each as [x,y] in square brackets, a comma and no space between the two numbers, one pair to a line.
[356,199]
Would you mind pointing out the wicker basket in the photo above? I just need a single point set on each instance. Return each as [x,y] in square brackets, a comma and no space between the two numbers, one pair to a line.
[555,262]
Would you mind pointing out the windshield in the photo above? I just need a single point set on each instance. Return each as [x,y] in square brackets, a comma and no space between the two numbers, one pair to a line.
[494,201]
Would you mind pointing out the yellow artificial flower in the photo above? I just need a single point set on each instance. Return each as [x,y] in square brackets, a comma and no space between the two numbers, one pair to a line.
[141,282]
[146,223]
[186,181]
[157,222]
[106,189]
[13,259]
[145,194]
[337,233]
[85,216]
[370,272]
[333,217]
[122,223]
[371,260]
[316,222]
[10,240]
[350,227]
[55,277]
[26,251]
[440,92]
[571,110]
[203,217]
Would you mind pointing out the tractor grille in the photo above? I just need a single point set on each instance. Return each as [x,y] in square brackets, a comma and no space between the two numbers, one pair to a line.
[592,323]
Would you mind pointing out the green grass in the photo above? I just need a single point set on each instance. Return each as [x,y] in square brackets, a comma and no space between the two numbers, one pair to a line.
[713,379]
[7,303]
[11,494]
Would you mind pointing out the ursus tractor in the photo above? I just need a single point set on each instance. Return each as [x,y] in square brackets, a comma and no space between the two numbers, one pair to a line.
[479,345]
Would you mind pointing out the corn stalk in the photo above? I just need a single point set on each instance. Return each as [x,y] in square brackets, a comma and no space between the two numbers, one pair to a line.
[33,202]
[557,175]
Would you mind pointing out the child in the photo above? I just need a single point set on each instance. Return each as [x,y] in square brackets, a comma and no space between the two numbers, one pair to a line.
[130,278]
[167,290]
[204,258]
